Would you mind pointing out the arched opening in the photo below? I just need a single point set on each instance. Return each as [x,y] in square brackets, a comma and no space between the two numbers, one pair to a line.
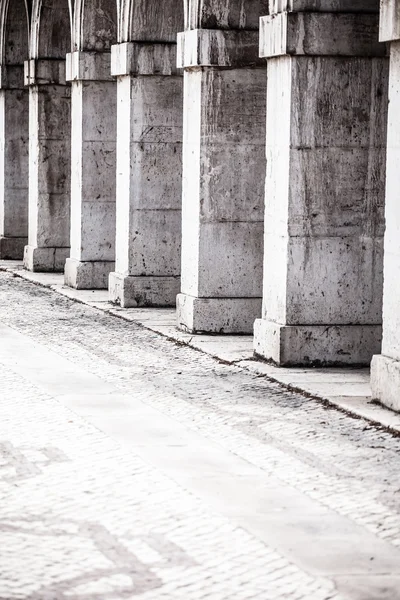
[96,25]
[224,14]
[51,29]
[14,129]
[151,20]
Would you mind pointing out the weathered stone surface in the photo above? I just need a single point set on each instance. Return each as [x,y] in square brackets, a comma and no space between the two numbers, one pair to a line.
[324,345]
[217,315]
[134,291]
[83,275]
[385,368]
[49,171]
[324,218]
[149,167]
[319,34]
[224,165]
[93,178]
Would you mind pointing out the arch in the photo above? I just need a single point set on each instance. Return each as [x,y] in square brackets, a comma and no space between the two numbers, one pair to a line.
[151,20]
[14,32]
[51,28]
[224,14]
[95,25]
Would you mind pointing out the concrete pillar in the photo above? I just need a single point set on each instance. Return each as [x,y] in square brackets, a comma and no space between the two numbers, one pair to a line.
[49,165]
[385,368]
[324,217]
[14,136]
[93,170]
[149,134]
[223,180]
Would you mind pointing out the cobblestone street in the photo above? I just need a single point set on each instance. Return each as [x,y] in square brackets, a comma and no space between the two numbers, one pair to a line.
[135,467]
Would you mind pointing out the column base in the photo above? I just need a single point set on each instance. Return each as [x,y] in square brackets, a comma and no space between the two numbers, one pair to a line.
[132,292]
[45,260]
[87,275]
[385,381]
[217,315]
[316,345]
[12,248]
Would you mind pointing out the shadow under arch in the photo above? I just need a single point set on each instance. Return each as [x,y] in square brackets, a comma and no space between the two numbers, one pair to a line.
[51,28]
[14,31]
[95,25]
[224,14]
[151,20]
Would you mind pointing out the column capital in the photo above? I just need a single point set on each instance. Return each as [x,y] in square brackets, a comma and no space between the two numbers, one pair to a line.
[138,58]
[11,77]
[44,72]
[320,34]
[218,48]
[88,66]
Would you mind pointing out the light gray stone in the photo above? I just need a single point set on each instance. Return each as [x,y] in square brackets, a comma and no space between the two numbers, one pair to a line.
[87,275]
[49,174]
[149,166]
[217,315]
[328,345]
[135,291]
[224,166]
[93,178]
[324,217]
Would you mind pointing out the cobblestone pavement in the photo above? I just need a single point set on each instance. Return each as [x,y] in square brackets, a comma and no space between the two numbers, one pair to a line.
[228,486]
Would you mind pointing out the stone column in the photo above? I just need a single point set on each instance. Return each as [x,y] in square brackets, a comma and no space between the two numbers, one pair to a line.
[385,368]
[93,172]
[14,137]
[49,165]
[324,217]
[149,134]
[223,173]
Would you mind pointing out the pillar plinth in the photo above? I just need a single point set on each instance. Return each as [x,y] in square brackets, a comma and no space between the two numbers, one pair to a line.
[223,172]
[49,165]
[324,196]
[385,367]
[14,143]
[149,165]
[93,170]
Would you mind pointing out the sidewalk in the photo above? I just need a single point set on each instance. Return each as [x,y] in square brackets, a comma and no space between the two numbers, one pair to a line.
[346,388]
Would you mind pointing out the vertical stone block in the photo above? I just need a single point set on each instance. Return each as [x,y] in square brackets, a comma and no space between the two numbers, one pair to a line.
[14,132]
[223,172]
[49,167]
[324,197]
[149,167]
[93,176]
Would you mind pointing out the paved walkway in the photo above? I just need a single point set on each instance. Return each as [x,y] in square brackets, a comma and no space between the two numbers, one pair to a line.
[133,467]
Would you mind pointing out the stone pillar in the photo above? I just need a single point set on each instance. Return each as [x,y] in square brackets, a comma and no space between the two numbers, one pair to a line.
[223,173]
[385,368]
[49,165]
[149,134]
[14,137]
[93,170]
[324,217]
